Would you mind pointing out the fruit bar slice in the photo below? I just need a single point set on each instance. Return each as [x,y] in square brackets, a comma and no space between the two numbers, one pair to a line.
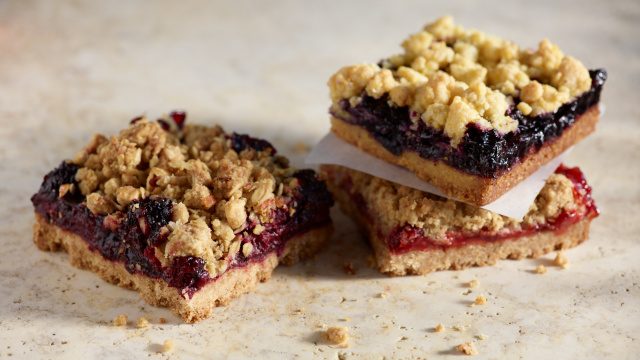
[471,113]
[413,232]
[189,216]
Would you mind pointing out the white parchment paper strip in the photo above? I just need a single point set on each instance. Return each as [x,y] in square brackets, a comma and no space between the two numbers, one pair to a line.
[515,203]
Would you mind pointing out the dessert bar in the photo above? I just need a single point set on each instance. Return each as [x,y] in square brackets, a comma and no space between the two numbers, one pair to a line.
[471,113]
[189,216]
[414,232]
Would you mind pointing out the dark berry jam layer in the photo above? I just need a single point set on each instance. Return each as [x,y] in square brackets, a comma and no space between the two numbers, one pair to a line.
[481,152]
[131,236]
[410,238]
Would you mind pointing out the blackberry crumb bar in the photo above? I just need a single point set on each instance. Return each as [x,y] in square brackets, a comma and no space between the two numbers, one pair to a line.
[471,113]
[413,232]
[189,216]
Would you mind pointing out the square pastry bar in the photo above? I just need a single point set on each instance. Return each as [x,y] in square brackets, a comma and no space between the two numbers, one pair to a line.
[189,216]
[414,232]
[470,113]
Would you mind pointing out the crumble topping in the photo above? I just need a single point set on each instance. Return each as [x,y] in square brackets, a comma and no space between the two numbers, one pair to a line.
[437,216]
[439,328]
[473,284]
[337,335]
[167,346]
[217,189]
[450,76]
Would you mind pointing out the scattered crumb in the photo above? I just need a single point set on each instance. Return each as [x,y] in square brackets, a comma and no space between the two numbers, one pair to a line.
[337,335]
[459,327]
[467,292]
[480,300]
[467,348]
[349,269]
[473,284]
[120,320]
[298,311]
[561,260]
[439,328]
[346,319]
[167,346]
[162,320]
[142,322]
[382,295]
[540,269]
[482,337]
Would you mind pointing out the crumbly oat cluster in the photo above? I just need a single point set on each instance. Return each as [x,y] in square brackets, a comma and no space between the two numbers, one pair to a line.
[437,216]
[214,188]
[450,76]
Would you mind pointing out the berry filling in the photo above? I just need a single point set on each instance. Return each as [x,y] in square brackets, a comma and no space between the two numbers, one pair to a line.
[407,238]
[481,152]
[133,235]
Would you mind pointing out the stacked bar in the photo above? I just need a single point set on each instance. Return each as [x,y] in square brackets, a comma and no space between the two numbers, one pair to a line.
[473,115]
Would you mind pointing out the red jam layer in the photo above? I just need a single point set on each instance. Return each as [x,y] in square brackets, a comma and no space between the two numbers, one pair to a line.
[410,238]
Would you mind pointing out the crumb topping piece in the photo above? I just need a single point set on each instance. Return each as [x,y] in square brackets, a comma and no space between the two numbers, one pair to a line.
[439,328]
[467,348]
[540,269]
[472,284]
[142,322]
[337,335]
[480,300]
[167,346]
[451,76]
[120,320]
[217,187]
[561,260]
[438,216]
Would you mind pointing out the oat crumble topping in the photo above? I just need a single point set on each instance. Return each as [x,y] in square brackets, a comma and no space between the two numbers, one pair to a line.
[439,328]
[167,346]
[540,269]
[437,216]
[215,190]
[473,284]
[451,76]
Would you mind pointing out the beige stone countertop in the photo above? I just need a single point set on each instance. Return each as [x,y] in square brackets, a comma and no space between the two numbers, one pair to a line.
[72,68]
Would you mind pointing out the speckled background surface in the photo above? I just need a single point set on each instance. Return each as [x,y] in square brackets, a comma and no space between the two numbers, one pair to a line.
[72,68]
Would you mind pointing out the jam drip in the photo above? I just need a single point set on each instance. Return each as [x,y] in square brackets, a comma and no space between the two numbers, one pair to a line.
[131,236]
[410,238]
[481,152]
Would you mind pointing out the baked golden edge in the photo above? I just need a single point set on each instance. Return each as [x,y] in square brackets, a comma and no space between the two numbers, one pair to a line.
[228,286]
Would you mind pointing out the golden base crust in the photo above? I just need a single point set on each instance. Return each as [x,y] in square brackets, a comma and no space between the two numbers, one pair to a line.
[228,286]
[478,254]
[465,187]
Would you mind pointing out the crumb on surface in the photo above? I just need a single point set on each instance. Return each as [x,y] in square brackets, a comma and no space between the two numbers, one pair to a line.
[167,346]
[337,335]
[473,284]
[142,322]
[381,295]
[459,327]
[540,269]
[467,348]
[439,328]
[120,320]
[482,337]
[561,260]
[480,300]
[162,320]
